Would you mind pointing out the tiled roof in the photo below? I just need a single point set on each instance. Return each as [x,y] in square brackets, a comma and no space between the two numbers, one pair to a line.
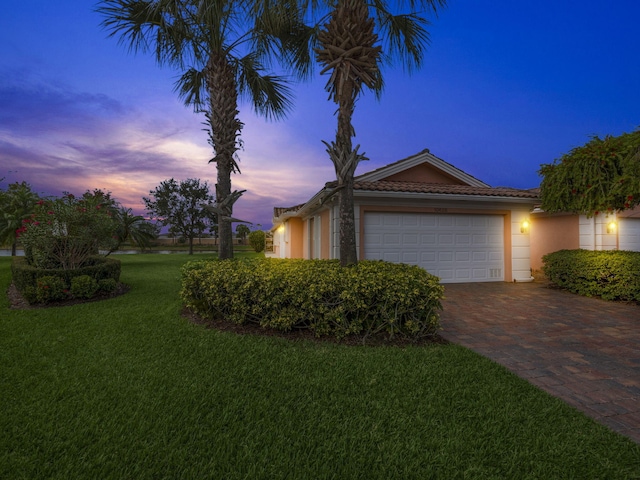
[443,188]
[277,211]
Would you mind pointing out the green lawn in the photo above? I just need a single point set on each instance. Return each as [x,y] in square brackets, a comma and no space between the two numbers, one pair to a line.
[127,388]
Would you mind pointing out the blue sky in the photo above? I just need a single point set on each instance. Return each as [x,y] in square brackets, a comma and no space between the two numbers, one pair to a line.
[506,86]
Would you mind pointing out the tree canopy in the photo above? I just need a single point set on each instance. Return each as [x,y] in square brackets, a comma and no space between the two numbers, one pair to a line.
[180,207]
[601,176]
[17,204]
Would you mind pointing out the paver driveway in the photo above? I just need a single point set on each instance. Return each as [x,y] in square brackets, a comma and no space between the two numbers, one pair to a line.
[585,351]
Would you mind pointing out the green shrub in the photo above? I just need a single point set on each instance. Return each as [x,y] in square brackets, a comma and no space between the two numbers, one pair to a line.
[84,286]
[107,285]
[25,276]
[50,288]
[610,274]
[257,240]
[371,298]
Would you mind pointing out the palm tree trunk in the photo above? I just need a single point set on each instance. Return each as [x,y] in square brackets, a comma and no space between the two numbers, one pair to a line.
[225,129]
[348,250]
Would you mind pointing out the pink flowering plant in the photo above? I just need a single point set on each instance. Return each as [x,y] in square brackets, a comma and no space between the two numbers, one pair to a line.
[64,232]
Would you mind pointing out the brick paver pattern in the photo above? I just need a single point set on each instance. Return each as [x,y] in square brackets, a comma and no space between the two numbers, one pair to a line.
[585,351]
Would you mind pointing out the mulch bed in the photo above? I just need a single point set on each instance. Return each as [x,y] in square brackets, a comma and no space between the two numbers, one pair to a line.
[299,335]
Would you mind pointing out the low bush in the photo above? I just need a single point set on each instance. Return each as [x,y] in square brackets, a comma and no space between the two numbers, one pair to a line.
[610,274]
[25,277]
[107,285]
[257,240]
[84,286]
[51,288]
[371,298]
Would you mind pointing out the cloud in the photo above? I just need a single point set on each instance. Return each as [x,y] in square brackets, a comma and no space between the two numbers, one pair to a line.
[59,139]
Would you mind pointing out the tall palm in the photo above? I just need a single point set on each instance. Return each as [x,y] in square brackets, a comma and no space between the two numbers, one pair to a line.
[358,37]
[222,47]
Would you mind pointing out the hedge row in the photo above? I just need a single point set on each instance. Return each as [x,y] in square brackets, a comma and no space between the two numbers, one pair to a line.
[610,274]
[371,298]
[40,285]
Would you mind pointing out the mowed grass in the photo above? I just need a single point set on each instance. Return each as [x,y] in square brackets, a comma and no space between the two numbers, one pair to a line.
[127,388]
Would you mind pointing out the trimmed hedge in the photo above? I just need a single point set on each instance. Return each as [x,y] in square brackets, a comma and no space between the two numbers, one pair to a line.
[28,279]
[371,298]
[610,274]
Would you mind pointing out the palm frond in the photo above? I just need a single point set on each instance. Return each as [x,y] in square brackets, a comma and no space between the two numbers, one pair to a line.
[191,88]
[405,37]
[269,94]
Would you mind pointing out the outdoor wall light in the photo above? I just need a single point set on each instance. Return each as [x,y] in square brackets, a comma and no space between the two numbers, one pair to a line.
[611,227]
[524,226]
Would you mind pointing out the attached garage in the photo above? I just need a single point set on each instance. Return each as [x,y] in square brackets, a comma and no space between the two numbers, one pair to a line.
[455,247]
[422,211]
[629,234]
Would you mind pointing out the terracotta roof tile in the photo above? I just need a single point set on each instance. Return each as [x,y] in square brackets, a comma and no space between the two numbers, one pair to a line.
[416,187]
[277,211]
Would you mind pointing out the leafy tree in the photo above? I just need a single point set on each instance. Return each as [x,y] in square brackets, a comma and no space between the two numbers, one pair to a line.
[17,204]
[221,46]
[257,240]
[242,231]
[601,176]
[134,229]
[64,232]
[180,206]
[357,39]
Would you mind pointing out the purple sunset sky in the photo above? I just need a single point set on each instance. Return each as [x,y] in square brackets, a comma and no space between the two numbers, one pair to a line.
[506,86]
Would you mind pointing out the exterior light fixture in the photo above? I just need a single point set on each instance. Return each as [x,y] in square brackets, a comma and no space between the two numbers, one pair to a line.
[524,226]
[611,227]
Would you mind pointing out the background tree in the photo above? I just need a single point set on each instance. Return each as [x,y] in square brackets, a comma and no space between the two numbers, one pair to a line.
[17,204]
[242,231]
[180,207]
[601,176]
[221,46]
[257,240]
[351,46]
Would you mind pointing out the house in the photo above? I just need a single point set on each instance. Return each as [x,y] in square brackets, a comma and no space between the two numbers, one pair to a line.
[423,211]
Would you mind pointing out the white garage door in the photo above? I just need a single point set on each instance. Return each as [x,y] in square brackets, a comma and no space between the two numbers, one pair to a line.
[456,248]
[629,234]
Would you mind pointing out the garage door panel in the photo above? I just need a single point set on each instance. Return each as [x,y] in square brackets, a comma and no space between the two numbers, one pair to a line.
[445,239]
[410,239]
[462,256]
[456,248]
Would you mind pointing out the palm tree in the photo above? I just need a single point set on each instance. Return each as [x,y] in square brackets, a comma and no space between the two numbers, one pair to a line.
[221,46]
[16,204]
[356,39]
[134,229]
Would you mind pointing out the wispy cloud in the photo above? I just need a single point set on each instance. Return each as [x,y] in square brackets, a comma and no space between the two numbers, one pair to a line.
[59,139]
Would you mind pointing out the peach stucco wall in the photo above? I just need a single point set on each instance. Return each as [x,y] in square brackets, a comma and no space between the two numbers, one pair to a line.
[295,235]
[550,233]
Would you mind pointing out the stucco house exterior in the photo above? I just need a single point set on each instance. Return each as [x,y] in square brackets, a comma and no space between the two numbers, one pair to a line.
[424,211]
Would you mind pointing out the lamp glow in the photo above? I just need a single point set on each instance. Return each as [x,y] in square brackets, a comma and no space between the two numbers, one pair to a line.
[524,226]
[611,227]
